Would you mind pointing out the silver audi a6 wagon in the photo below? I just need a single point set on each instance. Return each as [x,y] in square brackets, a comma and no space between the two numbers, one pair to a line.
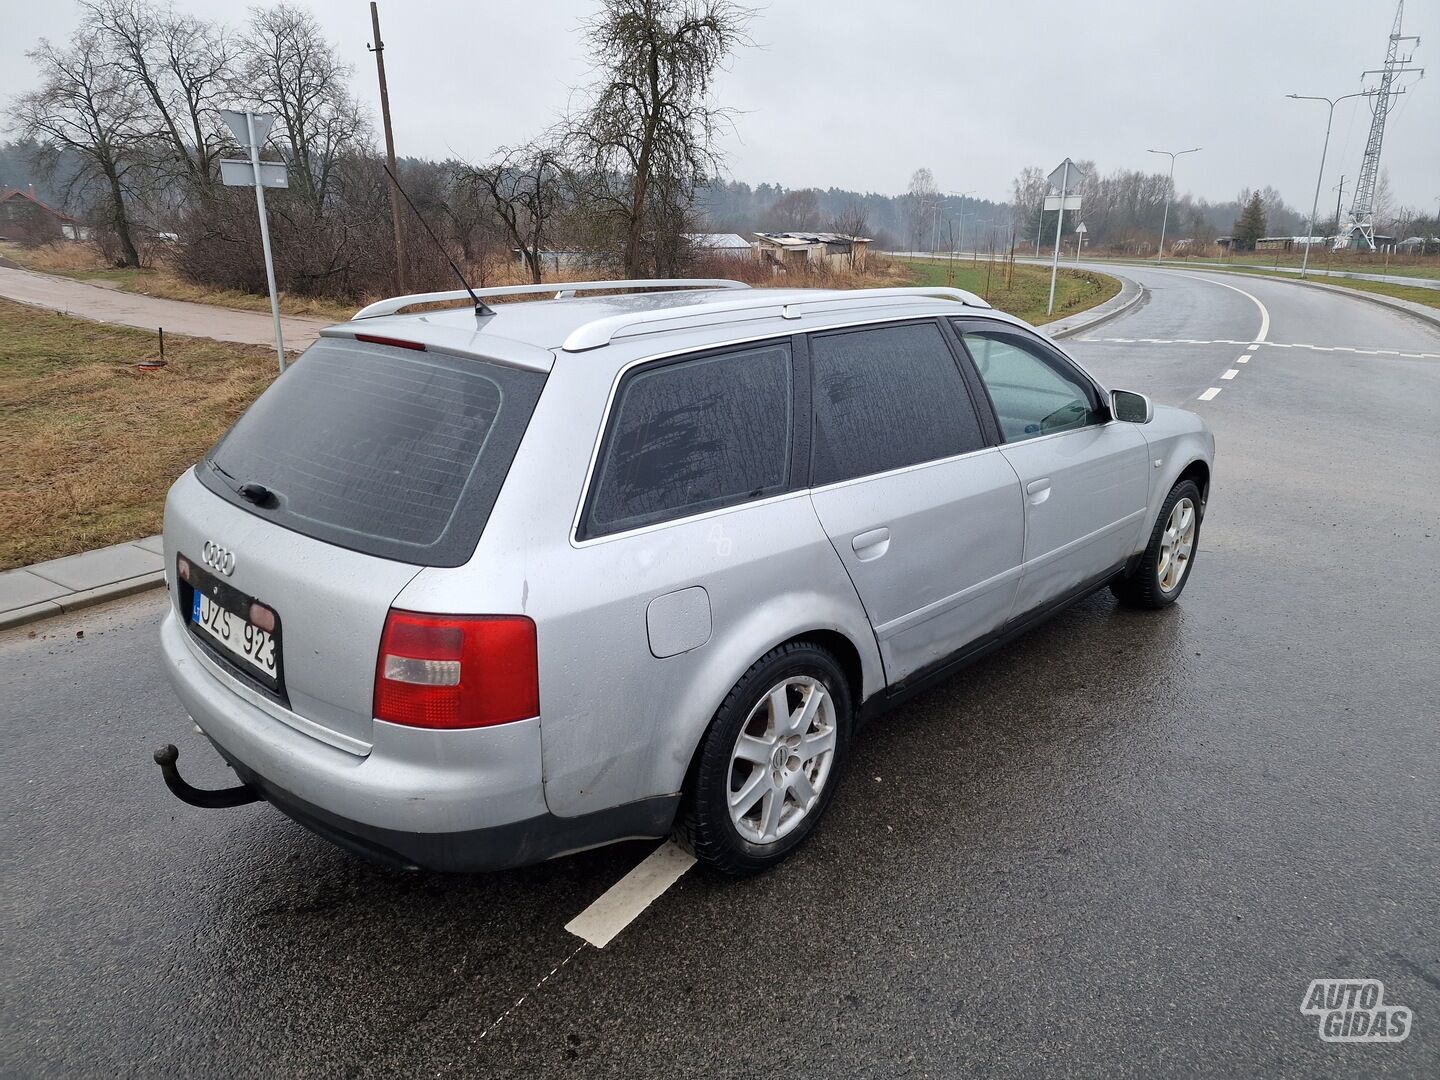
[477,587]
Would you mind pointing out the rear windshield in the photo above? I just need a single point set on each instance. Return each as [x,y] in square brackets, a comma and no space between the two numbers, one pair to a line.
[379,449]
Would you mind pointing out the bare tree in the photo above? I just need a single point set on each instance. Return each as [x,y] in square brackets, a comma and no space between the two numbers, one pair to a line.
[645,143]
[292,71]
[183,66]
[852,221]
[922,204]
[523,185]
[86,104]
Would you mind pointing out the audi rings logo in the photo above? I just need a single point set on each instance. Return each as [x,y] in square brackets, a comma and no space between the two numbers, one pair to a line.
[218,558]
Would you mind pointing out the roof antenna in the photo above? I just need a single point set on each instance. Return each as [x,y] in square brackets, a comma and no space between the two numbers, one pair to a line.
[481,309]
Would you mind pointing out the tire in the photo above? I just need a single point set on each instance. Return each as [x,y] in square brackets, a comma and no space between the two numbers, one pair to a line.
[782,792]
[1160,577]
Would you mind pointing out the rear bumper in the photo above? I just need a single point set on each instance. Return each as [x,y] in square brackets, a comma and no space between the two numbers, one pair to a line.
[499,847]
[444,800]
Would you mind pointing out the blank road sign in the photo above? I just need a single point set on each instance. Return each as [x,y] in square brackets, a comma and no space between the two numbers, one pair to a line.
[235,121]
[1070,178]
[273,174]
[1052,202]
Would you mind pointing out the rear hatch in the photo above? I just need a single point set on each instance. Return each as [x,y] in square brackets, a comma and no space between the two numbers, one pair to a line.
[361,465]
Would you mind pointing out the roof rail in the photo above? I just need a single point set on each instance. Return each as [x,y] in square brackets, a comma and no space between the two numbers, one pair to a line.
[600,332]
[561,289]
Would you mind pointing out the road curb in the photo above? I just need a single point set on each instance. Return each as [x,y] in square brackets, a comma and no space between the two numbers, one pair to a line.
[58,586]
[1131,293]
[63,605]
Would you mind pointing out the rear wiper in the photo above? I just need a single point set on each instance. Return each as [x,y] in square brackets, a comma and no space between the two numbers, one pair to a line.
[258,494]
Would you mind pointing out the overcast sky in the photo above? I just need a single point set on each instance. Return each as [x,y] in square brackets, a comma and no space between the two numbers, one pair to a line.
[858,94]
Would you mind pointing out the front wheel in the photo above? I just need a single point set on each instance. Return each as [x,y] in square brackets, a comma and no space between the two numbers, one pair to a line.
[1165,567]
[770,761]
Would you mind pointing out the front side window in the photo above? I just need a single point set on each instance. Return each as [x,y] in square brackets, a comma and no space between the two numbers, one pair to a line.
[1034,393]
[694,435]
[887,397]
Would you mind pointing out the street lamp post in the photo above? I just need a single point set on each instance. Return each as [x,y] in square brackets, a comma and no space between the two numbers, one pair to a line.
[962,196]
[1324,149]
[1165,221]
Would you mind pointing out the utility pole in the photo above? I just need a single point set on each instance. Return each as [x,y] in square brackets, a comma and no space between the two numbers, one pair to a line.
[1339,198]
[402,258]
[1324,149]
[1362,208]
[1170,186]
[962,196]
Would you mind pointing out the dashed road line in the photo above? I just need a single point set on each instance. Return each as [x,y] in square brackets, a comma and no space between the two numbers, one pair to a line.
[521,999]
[1231,373]
[622,903]
[1211,394]
[1243,358]
[1359,351]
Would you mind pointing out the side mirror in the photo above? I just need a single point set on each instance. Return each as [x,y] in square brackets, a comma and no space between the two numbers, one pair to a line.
[1131,407]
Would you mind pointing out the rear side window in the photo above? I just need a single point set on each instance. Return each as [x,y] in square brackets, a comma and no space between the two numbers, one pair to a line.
[388,451]
[694,435]
[887,397]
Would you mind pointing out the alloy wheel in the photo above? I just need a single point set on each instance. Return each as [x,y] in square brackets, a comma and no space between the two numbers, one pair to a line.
[781,759]
[1177,543]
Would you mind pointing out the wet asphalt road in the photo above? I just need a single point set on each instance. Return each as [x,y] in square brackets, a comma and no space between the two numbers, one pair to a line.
[1122,846]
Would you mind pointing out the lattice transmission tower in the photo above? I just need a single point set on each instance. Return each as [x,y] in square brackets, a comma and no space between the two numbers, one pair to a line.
[1359,231]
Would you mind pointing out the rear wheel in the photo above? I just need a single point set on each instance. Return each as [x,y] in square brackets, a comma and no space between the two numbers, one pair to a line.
[769,763]
[1165,567]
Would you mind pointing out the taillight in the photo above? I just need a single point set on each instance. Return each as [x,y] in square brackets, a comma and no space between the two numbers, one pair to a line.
[456,671]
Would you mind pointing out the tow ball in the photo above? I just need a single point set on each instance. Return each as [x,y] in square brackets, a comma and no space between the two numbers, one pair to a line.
[166,757]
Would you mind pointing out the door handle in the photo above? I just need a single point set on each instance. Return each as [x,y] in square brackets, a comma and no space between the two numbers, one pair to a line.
[1037,491]
[871,544]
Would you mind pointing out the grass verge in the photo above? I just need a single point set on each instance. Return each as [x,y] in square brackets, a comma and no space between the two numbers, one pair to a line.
[89,444]
[1029,290]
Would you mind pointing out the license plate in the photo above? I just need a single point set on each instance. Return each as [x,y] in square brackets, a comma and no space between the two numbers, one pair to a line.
[238,637]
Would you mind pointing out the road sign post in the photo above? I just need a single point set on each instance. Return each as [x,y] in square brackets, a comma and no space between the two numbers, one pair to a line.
[1080,232]
[1066,171]
[250,130]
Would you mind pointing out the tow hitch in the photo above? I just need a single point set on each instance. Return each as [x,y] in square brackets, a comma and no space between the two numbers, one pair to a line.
[166,757]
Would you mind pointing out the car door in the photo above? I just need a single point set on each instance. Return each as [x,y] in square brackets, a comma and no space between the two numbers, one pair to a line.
[921,507]
[1085,476]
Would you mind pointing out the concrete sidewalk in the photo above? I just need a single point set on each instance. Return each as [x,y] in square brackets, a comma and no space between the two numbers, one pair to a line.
[77,581]
[98,304]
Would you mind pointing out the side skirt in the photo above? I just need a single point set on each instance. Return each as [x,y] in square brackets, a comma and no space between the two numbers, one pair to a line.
[881,703]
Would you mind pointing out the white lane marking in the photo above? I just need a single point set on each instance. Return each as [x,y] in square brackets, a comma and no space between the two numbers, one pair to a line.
[1264,311]
[1243,358]
[1357,350]
[1231,373]
[1211,393]
[620,904]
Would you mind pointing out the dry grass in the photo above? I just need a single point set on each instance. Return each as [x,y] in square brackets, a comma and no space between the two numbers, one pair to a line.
[88,444]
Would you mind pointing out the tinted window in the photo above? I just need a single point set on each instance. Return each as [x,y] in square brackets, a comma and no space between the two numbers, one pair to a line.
[1035,393]
[388,451]
[693,436]
[887,397]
